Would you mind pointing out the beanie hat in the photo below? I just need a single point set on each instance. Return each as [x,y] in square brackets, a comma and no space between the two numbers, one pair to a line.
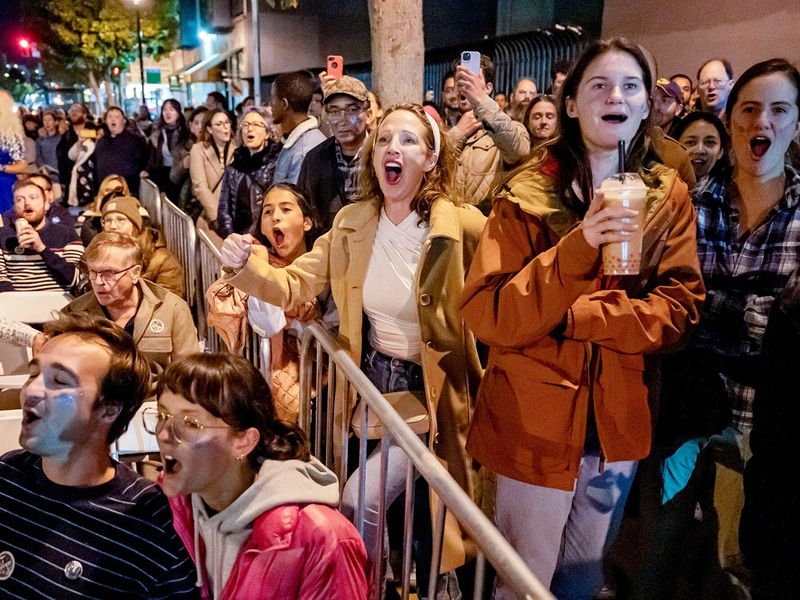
[125,205]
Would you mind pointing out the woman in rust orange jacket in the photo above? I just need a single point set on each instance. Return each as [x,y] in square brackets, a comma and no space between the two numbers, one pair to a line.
[562,414]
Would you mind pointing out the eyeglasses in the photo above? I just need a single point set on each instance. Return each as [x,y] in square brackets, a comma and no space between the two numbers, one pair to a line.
[182,427]
[224,123]
[718,83]
[253,125]
[120,220]
[107,276]
[337,114]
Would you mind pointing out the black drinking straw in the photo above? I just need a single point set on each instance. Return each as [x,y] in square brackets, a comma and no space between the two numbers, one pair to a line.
[621,159]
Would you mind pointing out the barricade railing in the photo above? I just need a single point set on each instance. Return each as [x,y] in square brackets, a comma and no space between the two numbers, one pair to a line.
[150,198]
[327,368]
[181,238]
[208,271]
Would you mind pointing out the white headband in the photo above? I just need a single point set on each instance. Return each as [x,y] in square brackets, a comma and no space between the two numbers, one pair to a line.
[437,135]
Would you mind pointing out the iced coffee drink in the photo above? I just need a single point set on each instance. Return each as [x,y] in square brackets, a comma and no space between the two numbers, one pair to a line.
[629,191]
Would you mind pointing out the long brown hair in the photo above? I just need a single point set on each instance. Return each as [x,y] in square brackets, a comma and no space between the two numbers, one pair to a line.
[230,388]
[568,147]
[436,183]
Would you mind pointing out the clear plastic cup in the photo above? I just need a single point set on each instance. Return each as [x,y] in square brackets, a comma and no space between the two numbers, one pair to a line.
[629,191]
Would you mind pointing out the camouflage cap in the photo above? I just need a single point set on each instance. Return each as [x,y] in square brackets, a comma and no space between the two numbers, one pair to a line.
[345,85]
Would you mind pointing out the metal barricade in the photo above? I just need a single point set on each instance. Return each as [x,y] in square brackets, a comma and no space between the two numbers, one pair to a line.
[181,238]
[209,268]
[325,365]
[150,198]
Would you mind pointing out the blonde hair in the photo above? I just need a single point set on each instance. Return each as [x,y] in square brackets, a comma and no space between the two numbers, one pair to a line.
[99,197]
[10,122]
[105,241]
[436,183]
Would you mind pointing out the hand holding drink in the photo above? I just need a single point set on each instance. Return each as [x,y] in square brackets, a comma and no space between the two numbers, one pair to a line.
[20,225]
[627,191]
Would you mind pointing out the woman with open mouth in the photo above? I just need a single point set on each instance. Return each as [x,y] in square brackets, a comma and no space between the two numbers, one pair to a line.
[707,142]
[255,511]
[562,416]
[748,239]
[394,260]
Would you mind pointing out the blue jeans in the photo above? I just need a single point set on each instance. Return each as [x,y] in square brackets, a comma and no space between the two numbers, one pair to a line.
[388,375]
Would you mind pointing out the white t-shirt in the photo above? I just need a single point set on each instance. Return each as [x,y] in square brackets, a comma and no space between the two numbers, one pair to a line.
[389,298]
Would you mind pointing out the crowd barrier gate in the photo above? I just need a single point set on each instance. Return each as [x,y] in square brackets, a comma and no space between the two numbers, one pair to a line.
[181,238]
[150,199]
[319,347]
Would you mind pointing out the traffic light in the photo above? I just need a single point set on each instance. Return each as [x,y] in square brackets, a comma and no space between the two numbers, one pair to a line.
[115,70]
[25,47]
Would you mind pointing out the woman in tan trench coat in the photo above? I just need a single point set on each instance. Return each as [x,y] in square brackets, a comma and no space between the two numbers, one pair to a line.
[406,244]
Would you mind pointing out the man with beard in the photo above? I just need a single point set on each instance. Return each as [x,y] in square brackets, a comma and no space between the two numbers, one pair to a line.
[666,104]
[521,99]
[487,140]
[327,177]
[450,112]
[78,115]
[36,255]
[291,98]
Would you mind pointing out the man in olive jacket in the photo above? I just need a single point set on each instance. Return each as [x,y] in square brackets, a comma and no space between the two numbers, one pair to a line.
[159,321]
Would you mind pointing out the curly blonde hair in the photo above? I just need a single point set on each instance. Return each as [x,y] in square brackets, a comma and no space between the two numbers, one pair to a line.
[10,123]
[436,183]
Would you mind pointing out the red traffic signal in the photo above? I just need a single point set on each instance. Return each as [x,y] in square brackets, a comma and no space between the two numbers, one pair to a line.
[25,46]
[115,70]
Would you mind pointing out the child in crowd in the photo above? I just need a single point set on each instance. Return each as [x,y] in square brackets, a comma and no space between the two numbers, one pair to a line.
[285,230]
[255,510]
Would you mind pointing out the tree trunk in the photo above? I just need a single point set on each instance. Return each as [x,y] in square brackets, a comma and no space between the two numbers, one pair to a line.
[398,50]
[109,91]
[96,89]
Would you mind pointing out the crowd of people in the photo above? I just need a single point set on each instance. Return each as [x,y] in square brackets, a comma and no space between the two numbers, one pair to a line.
[630,434]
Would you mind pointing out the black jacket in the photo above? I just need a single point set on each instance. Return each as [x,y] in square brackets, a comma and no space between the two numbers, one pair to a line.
[125,154]
[770,528]
[243,186]
[322,183]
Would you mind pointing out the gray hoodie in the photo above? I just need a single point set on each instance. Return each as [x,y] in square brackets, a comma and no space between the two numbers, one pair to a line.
[279,482]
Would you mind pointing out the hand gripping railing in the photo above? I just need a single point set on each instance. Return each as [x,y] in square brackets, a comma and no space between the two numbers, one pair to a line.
[319,347]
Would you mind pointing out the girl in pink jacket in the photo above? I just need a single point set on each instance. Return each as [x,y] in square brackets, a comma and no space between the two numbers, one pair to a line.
[255,510]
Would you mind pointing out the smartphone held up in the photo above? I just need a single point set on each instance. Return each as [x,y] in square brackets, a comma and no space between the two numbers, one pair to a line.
[471,60]
[335,66]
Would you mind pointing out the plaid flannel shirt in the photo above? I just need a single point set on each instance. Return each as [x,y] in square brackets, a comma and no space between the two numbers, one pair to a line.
[743,277]
[349,173]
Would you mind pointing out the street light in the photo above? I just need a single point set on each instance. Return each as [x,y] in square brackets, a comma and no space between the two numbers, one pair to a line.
[137,4]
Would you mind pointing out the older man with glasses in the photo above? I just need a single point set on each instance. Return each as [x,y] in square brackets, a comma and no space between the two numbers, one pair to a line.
[159,321]
[327,176]
[714,84]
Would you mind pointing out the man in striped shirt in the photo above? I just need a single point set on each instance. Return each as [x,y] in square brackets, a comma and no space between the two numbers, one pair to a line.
[73,522]
[36,255]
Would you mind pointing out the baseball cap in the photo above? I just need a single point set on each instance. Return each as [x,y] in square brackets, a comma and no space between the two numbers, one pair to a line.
[345,85]
[670,88]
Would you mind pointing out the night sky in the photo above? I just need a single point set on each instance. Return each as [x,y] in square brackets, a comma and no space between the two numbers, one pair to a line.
[10,30]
